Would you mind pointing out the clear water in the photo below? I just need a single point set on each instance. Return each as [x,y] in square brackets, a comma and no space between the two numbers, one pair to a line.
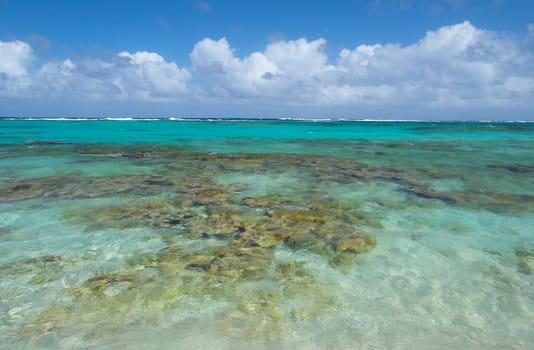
[266,234]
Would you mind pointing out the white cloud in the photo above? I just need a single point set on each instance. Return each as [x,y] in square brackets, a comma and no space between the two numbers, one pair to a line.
[57,77]
[142,76]
[148,75]
[16,55]
[457,66]
[15,59]
[285,69]
[226,75]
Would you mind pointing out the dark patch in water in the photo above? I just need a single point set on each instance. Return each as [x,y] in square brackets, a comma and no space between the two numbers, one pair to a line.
[39,263]
[514,168]
[189,173]
[43,143]
[429,194]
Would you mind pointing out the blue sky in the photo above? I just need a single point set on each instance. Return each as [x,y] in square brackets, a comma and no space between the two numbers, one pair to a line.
[383,59]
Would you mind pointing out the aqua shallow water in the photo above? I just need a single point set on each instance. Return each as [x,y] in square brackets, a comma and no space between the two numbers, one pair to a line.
[271,234]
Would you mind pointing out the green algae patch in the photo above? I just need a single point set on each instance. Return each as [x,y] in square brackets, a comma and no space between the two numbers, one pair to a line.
[525,258]
[230,217]
[262,297]
[217,179]
[151,213]
[80,187]
[44,265]
[49,321]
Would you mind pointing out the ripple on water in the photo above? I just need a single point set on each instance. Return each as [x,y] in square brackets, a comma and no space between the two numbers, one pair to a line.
[274,250]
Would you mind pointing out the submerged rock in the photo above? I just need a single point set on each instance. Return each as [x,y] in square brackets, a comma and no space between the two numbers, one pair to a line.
[48,321]
[262,202]
[12,191]
[526,260]
[42,269]
[524,252]
[218,225]
[515,168]
[65,187]
[526,266]
[208,195]
[101,282]
[297,216]
[162,213]
[226,245]
[195,186]
[356,245]
[47,262]
[428,193]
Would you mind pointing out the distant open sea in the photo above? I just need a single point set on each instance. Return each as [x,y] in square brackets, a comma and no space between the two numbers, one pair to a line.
[266,234]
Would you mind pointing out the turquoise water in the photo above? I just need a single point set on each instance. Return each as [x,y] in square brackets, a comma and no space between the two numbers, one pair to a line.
[268,234]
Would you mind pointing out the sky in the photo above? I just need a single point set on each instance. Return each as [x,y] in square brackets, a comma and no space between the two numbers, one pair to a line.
[381,59]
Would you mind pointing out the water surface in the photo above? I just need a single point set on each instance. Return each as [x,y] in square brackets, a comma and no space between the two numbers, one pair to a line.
[266,234]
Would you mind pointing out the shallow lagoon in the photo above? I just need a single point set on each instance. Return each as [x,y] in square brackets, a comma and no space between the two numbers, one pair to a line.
[272,234]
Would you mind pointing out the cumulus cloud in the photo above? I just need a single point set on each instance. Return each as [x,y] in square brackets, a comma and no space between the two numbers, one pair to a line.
[15,59]
[147,73]
[143,75]
[16,55]
[289,69]
[457,66]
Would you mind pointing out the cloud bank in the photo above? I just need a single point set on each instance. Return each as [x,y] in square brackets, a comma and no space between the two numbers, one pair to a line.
[457,67]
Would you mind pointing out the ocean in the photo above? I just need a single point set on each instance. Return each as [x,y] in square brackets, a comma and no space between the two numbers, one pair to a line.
[266,234]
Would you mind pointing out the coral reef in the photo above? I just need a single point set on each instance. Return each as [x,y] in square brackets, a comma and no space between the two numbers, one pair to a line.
[221,236]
